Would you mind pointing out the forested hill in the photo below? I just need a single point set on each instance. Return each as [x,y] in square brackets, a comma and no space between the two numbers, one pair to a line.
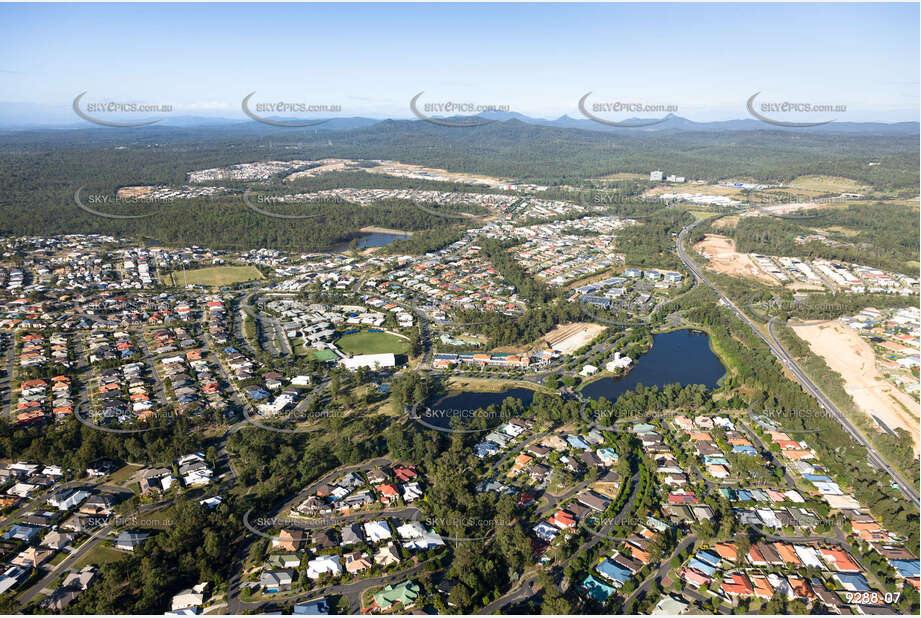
[509,148]
[40,170]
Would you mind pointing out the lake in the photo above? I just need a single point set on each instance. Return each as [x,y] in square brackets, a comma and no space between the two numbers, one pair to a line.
[370,239]
[682,356]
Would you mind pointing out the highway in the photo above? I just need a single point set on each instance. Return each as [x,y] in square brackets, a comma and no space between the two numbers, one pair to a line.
[808,385]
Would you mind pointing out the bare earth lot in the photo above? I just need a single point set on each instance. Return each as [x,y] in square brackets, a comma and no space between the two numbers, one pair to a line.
[848,354]
[567,338]
[725,259]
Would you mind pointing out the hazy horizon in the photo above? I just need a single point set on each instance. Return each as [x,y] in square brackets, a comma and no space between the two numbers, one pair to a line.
[535,59]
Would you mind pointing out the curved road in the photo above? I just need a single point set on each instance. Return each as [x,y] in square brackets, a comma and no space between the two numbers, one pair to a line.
[810,387]
[526,586]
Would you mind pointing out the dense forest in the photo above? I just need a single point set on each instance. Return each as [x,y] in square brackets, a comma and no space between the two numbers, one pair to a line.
[41,170]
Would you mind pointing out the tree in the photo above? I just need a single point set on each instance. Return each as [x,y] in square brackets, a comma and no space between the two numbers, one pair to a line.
[553,600]
[460,597]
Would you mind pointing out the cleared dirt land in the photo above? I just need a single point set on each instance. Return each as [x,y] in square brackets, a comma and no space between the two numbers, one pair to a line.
[726,223]
[724,258]
[567,338]
[848,354]
[695,188]
[787,209]
[134,192]
[325,166]
[402,170]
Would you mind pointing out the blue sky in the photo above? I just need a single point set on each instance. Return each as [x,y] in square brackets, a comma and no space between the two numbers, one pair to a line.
[538,59]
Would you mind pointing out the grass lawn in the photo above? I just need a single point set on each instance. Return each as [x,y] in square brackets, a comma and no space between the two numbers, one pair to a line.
[58,558]
[372,343]
[123,474]
[99,555]
[625,176]
[483,385]
[216,276]
[320,355]
[157,519]
[846,231]
[828,183]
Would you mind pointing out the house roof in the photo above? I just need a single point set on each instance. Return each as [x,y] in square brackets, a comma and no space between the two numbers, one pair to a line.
[404,593]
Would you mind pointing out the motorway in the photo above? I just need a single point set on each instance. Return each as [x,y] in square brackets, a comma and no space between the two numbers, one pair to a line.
[808,385]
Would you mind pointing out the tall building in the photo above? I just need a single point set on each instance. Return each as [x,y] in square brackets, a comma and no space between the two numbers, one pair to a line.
[656,175]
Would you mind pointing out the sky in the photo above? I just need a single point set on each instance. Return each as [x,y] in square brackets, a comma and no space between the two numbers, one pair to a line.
[537,59]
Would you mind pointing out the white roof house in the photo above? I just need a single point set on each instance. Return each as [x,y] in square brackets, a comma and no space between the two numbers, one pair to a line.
[588,370]
[372,361]
[427,540]
[411,492]
[808,555]
[376,531]
[324,564]
[129,540]
[187,598]
[769,518]
[411,530]
[68,499]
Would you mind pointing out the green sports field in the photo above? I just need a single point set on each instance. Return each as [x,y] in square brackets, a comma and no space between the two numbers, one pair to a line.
[372,343]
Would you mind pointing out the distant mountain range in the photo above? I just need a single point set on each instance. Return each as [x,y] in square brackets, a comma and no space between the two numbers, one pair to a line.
[22,116]
[671,122]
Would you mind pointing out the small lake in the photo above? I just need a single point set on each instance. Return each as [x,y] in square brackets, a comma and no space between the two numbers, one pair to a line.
[465,402]
[370,239]
[682,356]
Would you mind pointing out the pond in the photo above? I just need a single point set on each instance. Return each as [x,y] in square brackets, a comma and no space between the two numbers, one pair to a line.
[464,403]
[370,239]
